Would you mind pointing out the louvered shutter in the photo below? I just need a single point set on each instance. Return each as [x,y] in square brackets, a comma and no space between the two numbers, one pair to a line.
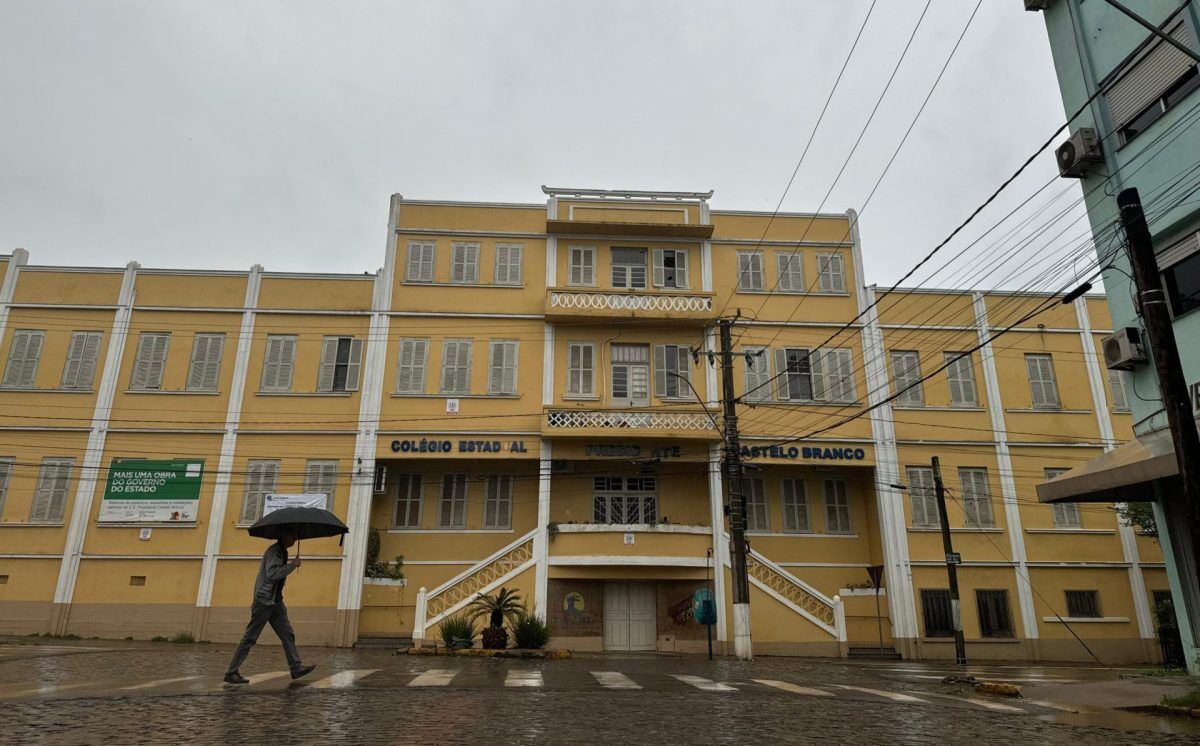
[410,374]
[320,478]
[758,373]
[354,364]
[660,370]
[81,361]
[844,360]
[206,362]
[659,268]
[329,349]
[502,373]
[16,359]
[270,376]
[462,376]
[575,276]
[1149,77]
[158,361]
[33,353]
[6,467]
[501,274]
[142,363]
[782,389]
[449,359]
[681,269]
[50,496]
[820,389]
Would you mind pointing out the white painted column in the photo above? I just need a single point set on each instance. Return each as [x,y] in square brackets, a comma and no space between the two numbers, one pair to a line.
[541,539]
[716,512]
[19,258]
[94,455]
[893,530]
[1129,549]
[705,252]
[362,476]
[233,415]
[1008,486]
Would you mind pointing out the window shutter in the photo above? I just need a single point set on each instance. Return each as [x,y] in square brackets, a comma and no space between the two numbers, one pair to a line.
[414,262]
[141,363]
[354,364]
[576,267]
[23,358]
[449,360]
[6,467]
[50,496]
[72,377]
[329,347]
[87,367]
[758,373]
[1116,382]
[158,361]
[33,353]
[781,381]
[659,269]
[286,364]
[845,375]
[508,380]
[271,359]
[1150,77]
[496,368]
[410,373]
[501,273]
[462,378]
[819,386]
[206,362]
[660,370]
[681,269]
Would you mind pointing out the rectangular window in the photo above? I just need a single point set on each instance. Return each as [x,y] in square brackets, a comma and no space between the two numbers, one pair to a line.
[628,268]
[279,362]
[624,500]
[50,495]
[795,374]
[502,367]
[832,275]
[581,369]
[410,367]
[1182,281]
[670,268]
[976,498]
[582,266]
[497,503]
[1117,380]
[23,358]
[790,266]
[205,366]
[757,517]
[320,478]
[750,270]
[937,612]
[837,507]
[464,263]
[6,469]
[795,506]
[419,267]
[80,369]
[407,512]
[672,372]
[1041,381]
[923,495]
[960,375]
[630,375]
[1083,604]
[758,373]
[1155,82]
[341,361]
[262,475]
[508,263]
[456,366]
[452,508]
[833,375]
[150,361]
[906,377]
[995,619]
[1066,515]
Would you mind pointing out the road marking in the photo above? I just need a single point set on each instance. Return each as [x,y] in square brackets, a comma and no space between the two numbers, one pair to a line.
[615,680]
[704,684]
[981,703]
[785,686]
[46,689]
[342,679]
[894,696]
[523,678]
[434,677]
[158,682]
[259,678]
[1052,706]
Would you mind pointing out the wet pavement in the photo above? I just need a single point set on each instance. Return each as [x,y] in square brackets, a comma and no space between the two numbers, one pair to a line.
[100,691]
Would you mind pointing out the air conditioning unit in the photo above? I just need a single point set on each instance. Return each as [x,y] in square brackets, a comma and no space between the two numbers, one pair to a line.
[1123,349]
[1037,4]
[1079,154]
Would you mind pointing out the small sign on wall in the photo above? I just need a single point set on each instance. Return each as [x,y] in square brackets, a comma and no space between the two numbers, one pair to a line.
[452,406]
[628,538]
[144,534]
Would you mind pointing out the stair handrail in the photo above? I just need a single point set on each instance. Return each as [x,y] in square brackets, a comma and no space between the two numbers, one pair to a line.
[481,563]
[827,600]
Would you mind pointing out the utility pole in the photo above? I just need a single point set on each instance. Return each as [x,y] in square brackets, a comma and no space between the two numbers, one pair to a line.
[952,560]
[1165,353]
[737,503]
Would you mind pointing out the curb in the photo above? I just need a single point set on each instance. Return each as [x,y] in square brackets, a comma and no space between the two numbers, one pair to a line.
[482,653]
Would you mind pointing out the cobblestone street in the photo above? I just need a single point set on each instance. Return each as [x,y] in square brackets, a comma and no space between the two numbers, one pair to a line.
[105,692]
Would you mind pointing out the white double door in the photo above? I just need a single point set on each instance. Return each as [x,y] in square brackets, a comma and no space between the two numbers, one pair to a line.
[629,616]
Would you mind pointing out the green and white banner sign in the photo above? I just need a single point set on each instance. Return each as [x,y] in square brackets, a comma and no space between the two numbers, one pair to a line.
[143,491]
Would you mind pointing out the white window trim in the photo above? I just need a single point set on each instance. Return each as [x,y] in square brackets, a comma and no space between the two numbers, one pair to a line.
[584,250]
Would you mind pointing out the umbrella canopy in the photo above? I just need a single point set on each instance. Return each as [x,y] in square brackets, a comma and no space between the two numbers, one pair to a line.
[308,523]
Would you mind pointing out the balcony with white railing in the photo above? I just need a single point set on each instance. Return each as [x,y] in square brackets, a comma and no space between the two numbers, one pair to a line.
[690,421]
[591,304]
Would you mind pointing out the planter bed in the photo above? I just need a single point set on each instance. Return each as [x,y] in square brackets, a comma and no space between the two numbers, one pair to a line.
[481,653]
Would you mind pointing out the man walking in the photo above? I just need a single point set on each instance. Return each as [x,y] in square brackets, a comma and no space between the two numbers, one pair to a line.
[268,608]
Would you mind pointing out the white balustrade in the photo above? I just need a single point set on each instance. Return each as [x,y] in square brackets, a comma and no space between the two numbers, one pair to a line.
[631,302]
[627,420]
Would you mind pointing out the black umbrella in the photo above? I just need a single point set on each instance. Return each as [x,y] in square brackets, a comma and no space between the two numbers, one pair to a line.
[305,523]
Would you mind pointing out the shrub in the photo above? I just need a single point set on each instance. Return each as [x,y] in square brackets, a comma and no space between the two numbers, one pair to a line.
[377,569]
[495,638]
[530,632]
[159,638]
[183,637]
[505,605]
[458,632]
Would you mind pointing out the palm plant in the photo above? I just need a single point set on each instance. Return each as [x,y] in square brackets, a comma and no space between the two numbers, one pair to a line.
[504,605]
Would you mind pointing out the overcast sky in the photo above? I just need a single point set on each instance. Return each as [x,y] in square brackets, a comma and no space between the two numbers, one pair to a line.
[220,134]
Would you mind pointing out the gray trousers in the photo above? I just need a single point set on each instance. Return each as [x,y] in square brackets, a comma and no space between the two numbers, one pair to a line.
[260,616]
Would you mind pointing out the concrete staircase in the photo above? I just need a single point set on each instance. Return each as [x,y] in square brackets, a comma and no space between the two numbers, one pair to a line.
[874,653]
[383,642]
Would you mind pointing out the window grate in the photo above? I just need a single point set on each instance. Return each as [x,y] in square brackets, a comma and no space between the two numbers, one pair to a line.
[1083,604]
[937,612]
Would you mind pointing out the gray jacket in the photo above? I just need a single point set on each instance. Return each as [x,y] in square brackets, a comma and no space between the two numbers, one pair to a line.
[268,586]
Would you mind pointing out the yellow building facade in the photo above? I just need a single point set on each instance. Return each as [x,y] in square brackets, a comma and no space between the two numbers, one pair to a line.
[522,396]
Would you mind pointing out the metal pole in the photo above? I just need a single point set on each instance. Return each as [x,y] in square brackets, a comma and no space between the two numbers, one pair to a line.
[742,647]
[960,645]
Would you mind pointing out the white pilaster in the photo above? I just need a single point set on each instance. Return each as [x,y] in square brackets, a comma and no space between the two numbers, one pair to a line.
[362,473]
[1129,548]
[19,258]
[548,366]
[1008,486]
[716,512]
[551,246]
[233,415]
[94,454]
[541,539]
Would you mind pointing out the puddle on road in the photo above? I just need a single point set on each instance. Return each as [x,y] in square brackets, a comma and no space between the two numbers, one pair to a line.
[1125,720]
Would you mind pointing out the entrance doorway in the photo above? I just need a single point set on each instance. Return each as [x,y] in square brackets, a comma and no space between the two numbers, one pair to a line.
[630,375]
[629,616]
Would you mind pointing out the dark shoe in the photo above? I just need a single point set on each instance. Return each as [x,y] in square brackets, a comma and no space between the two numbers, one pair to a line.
[236,678]
[302,671]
